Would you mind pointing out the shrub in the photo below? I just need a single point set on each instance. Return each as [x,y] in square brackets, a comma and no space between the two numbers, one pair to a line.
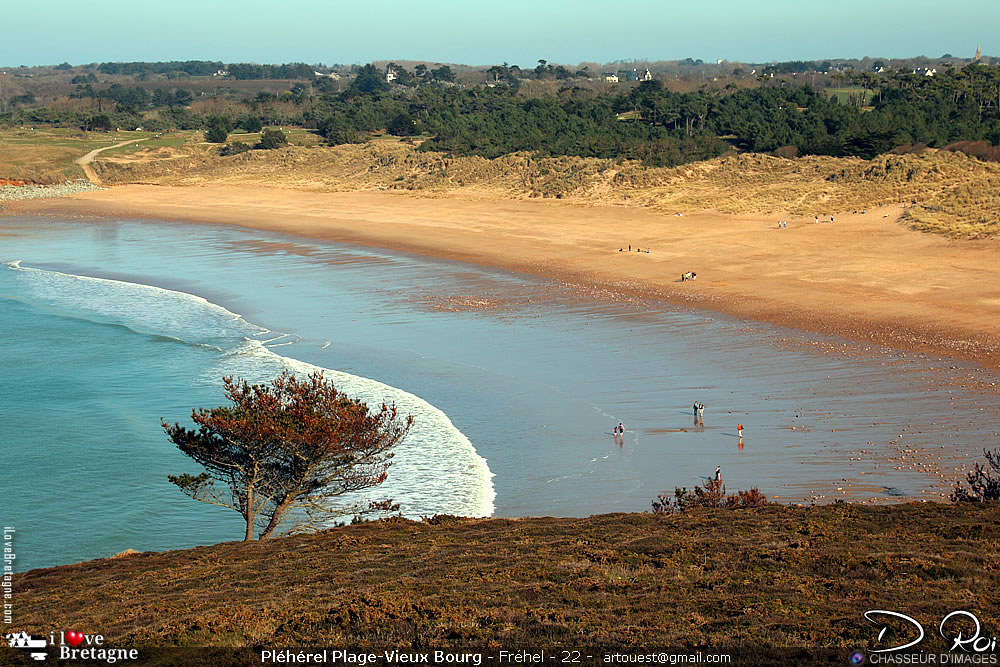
[979,149]
[99,122]
[713,495]
[401,125]
[218,128]
[909,148]
[251,123]
[983,483]
[788,152]
[216,134]
[345,135]
[272,139]
[234,148]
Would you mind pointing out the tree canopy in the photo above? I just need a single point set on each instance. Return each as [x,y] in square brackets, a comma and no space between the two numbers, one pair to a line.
[871,112]
[290,447]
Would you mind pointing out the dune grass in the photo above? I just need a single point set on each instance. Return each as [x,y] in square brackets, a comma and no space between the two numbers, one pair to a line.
[944,192]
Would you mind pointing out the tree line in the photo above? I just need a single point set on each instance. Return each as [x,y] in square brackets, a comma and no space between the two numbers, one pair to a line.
[647,122]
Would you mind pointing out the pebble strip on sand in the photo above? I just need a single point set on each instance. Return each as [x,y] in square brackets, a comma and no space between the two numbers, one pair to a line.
[17,192]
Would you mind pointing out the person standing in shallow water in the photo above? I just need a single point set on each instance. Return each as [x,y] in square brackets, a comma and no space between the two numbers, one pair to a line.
[739,431]
[718,473]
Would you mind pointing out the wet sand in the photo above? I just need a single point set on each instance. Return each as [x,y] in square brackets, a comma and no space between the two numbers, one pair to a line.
[864,277]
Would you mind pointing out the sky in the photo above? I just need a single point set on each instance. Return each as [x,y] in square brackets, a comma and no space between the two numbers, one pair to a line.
[486,32]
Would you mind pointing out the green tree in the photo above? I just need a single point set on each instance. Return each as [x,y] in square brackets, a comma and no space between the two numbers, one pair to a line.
[369,80]
[288,448]
[216,134]
[251,123]
[401,125]
[218,129]
[443,73]
[98,123]
[338,131]
[272,138]
[182,97]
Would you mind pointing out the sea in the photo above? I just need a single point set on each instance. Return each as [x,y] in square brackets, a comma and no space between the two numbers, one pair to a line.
[515,384]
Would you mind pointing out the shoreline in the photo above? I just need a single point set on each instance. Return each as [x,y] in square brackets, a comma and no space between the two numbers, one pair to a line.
[864,278]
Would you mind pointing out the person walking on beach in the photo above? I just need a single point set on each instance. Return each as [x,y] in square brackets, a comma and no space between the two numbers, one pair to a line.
[621,429]
[739,431]
[718,473]
[701,411]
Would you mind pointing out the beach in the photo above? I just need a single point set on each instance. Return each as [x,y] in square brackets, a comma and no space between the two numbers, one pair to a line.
[863,277]
[515,381]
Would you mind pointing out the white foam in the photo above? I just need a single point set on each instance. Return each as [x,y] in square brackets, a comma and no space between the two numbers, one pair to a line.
[142,308]
[436,469]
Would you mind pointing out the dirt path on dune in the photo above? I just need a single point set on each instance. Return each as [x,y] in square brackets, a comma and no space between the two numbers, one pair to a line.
[85,161]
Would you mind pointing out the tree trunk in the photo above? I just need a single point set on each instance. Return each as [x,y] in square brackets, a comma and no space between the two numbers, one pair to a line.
[248,514]
[276,516]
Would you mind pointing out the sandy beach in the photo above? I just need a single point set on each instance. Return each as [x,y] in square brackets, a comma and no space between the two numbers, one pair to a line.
[863,277]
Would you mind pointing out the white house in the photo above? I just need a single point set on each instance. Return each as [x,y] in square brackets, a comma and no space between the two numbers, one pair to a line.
[610,77]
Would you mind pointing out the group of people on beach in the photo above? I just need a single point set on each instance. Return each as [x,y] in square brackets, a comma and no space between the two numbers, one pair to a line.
[698,408]
[637,249]
[689,275]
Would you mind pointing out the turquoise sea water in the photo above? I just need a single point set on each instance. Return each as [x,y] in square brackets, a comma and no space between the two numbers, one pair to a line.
[515,384]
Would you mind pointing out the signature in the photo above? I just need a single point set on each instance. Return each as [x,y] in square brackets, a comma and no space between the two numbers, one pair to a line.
[949,629]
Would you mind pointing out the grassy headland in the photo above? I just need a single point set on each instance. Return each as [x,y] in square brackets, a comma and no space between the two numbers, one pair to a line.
[775,576]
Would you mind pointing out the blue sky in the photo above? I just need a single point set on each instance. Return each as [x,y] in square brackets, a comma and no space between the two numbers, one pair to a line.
[487,32]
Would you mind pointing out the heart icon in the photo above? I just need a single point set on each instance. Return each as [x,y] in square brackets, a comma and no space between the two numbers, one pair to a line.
[74,638]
